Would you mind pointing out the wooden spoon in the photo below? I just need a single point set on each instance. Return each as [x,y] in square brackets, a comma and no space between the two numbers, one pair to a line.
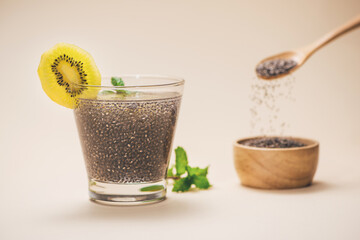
[299,56]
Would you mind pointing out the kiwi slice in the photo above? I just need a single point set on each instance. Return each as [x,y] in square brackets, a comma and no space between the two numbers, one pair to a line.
[63,72]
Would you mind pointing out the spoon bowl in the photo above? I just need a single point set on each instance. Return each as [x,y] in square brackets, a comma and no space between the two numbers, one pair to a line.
[295,55]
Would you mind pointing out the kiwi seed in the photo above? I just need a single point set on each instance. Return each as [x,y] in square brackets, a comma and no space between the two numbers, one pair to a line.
[59,76]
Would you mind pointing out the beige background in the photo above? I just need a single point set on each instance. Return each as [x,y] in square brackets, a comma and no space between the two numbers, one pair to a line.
[214,45]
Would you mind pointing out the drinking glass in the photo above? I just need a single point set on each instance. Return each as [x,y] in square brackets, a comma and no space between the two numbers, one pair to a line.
[126,134]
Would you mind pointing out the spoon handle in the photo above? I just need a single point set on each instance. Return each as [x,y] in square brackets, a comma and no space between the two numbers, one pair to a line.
[350,25]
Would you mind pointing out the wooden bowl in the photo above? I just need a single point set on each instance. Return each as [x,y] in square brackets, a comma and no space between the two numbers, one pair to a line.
[276,168]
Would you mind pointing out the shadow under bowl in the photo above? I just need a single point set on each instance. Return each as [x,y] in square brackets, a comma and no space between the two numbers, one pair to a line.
[276,168]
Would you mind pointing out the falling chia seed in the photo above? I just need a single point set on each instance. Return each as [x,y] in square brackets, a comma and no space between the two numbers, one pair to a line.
[127,141]
[273,142]
[275,67]
[269,102]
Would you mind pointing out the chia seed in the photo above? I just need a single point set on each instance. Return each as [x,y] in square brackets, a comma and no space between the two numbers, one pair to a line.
[273,142]
[275,67]
[268,101]
[127,141]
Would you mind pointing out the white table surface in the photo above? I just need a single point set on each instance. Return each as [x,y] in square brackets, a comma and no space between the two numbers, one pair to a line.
[53,204]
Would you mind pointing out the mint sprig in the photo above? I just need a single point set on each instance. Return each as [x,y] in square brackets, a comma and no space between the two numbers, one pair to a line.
[186,176]
[117,81]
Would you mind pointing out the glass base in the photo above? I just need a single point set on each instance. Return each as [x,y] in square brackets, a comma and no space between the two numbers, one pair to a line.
[127,194]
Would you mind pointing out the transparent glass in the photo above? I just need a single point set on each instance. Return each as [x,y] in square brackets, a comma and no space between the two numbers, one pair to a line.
[126,135]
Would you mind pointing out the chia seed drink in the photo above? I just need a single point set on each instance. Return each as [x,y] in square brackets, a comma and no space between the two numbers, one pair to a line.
[126,141]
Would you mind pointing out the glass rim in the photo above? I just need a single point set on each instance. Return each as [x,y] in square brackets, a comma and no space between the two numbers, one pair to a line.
[174,81]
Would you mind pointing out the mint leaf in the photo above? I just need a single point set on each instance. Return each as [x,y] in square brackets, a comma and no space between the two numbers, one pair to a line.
[182,185]
[117,81]
[107,92]
[123,91]
[181,161]
[152,188]
[197,171]
[170,172]
[201,182]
